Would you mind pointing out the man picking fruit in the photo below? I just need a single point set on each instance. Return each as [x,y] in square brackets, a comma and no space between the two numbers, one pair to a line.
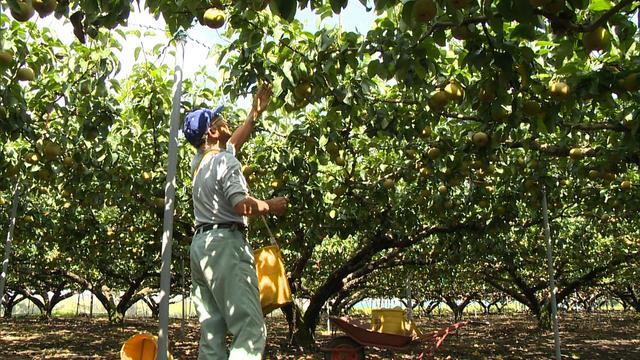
[223,274]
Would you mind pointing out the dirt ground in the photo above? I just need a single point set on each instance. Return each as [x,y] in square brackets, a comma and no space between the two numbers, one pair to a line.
[610,335]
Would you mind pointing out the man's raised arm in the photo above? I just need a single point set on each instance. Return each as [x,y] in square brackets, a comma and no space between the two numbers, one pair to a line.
[260,101]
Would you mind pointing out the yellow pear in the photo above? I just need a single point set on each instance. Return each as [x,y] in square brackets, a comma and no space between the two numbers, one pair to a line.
[25,74]
[68,161]
[439,100]
[576,154]
[23,11]
[487,93]
[147,176]
[531,107]
[303,90]
[598,39]
[631,82]
[158,202]
[454,91]
[276,184]
[433,153]
[51,150]
[44,7]
[461,32]
[480,138]
[32,158]
[559,90]
[499,114]
[424,10]
[6,58]
[213,18]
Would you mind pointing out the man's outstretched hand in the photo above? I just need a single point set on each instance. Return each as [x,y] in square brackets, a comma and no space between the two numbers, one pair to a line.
[261,99]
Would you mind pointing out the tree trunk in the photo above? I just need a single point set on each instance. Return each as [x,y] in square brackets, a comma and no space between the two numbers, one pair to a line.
[115,312]
[629,297]
[432,306]
[40,304]
[485,307]
[56,298]
[153,306]
[301,334]
[498,307]
[457,309]
[10,300]
[91,306]
[8,310]
[289,314]
[544,317]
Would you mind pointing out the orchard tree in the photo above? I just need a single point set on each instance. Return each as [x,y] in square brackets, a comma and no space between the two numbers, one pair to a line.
[443,121]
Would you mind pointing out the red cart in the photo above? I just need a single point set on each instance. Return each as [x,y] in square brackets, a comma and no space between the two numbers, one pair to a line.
[351,347]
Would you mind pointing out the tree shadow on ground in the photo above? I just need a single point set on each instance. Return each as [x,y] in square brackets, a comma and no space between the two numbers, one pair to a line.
[603,335]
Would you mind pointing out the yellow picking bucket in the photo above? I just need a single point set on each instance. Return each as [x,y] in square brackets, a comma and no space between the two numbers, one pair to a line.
[389,321]
[272,279]
[141,347]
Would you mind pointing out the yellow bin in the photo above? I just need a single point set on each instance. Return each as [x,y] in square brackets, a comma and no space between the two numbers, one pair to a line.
[390,321]
[272,279]
[140,347]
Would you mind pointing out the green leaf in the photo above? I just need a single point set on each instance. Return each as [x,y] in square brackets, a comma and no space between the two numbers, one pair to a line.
[579,4]
[504,61]
[564,50]
[338,5]
[407,13]
[326,41]
[600,5]
[526,32]
[540,125]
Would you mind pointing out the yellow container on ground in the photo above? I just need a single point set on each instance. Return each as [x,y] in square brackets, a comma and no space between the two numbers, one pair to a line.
[390,321]
[141,347]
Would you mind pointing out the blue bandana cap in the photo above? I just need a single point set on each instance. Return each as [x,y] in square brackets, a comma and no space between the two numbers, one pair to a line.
[197,123]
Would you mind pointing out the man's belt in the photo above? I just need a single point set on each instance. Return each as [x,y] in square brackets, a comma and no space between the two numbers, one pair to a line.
[230,225]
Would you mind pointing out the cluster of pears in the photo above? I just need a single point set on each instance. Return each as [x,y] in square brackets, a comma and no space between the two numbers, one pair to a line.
[426,10]
[453,91]
[23,10]
[24,73]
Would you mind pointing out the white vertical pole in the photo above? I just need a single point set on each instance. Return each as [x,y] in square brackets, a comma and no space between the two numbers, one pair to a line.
[169,199]
[552,281]
[183,298]
[7,246]
[407,284]
[328,320]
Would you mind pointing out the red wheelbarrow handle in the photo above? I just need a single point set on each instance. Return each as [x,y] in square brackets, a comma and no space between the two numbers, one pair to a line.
[436,338]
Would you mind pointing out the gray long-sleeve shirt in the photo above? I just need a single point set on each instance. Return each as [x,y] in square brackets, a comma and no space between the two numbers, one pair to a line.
[218,186]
